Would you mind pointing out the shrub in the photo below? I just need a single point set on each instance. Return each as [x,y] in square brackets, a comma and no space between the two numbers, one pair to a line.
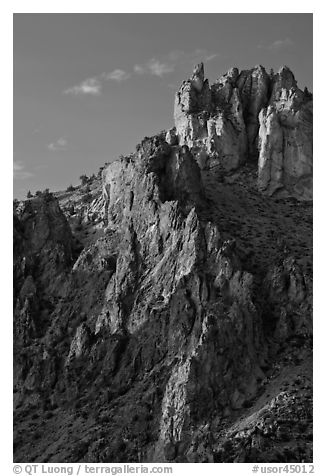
[71,188]
[47,195]
[84,179]
[307,94]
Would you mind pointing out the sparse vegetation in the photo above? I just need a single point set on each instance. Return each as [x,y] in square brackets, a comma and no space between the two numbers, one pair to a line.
[307,93]
[84,179]
[46,194]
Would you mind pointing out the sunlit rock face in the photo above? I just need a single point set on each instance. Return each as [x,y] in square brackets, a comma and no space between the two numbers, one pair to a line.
[176,277]
[210,120]
[286,136]
[254,86]
[252,117]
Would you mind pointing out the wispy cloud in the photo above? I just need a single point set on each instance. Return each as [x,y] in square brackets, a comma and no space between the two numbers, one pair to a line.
[60,144]
[154,67]
[278,44]
[211,57]
[116,75]
[19,171]
[173,60]
[90,86]
[93,86]
[176,59]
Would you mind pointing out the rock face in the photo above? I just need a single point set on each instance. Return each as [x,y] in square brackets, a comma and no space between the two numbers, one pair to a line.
[197,278]
[254,86]
[210,120]
[250,116]
[288,292]
[150,334]
[43,248]
[285,134]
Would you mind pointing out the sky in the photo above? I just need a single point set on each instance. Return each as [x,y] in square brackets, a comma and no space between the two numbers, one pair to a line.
[89,87]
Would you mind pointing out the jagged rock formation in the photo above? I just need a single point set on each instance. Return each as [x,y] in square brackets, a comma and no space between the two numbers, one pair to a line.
[285,134]
[247,115]
[160,319]
[210,120]
[43,247]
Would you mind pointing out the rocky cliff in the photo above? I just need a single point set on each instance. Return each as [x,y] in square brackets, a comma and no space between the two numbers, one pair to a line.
[168,316]
[247,116]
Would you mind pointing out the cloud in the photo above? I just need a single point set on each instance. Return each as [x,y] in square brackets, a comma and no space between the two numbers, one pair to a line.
[154,67]
[278,44]
[58,145]
[173,60]
[157,68]
[281,44]
[139,69]
[116,75]
[211,57]
[19,171]
[93,86]
[90,86]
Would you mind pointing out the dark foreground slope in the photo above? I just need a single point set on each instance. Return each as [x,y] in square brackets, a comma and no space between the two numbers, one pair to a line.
[165,318]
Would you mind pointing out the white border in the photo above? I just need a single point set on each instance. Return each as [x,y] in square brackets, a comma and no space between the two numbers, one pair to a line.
[210,6]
